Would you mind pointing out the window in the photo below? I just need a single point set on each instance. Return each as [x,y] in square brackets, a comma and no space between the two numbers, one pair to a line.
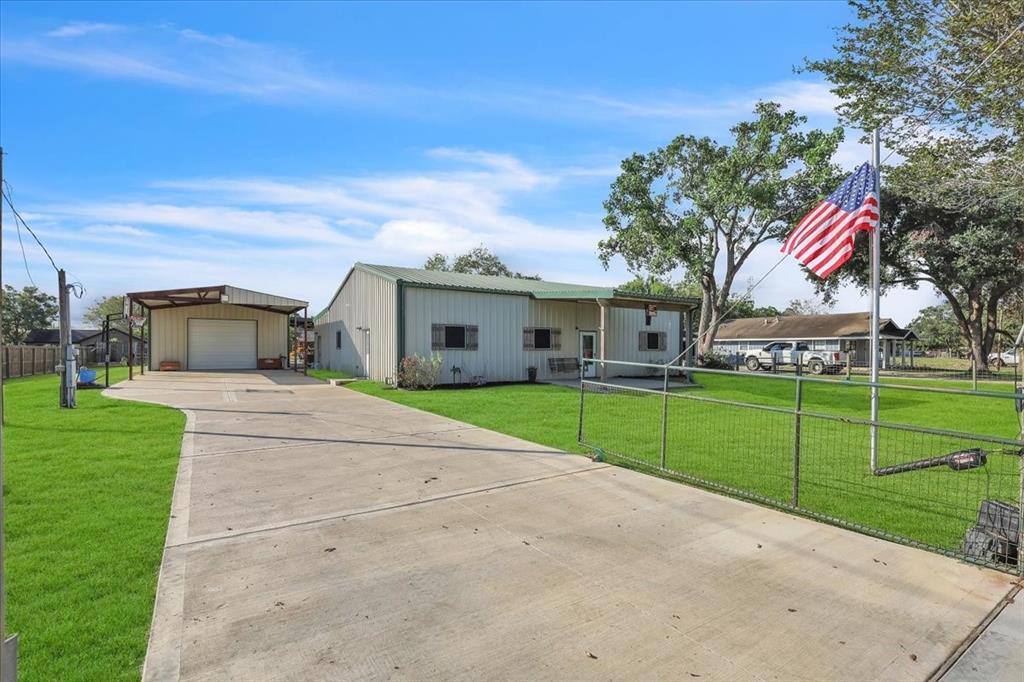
[454,336]
[653,340]
[802,346]
[337,339]
[542,338]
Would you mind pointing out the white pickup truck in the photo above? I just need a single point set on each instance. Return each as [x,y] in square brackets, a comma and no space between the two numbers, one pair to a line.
[782,353]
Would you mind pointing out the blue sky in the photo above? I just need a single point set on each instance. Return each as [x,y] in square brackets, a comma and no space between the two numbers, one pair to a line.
[270,146]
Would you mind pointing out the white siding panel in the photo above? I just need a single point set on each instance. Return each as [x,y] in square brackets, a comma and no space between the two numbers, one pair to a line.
[169,329]
[624,327]
[501,319]
[364,313]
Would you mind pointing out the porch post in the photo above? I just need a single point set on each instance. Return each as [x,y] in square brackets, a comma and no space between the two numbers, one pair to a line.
[305,340]
[689,338]
[911,353]
[601,332]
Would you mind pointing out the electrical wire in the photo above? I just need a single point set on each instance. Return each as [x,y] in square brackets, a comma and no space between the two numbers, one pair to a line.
[17,215]
[24,257]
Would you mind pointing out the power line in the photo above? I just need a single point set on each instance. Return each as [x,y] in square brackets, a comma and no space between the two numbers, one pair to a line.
[17,216]
[24,257]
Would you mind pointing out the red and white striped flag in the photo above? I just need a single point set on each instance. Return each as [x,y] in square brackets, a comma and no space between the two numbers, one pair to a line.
[823,239]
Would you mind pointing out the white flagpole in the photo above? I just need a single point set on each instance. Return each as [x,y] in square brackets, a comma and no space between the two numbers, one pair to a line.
[876,279]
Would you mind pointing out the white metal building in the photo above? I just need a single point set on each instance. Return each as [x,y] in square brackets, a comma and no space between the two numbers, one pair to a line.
[216,327]
[491,328]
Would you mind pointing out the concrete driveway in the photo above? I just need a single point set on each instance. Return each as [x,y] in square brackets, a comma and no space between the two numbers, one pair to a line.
[320,534]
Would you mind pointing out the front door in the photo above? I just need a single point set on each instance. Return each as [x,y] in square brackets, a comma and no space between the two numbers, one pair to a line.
[588,348]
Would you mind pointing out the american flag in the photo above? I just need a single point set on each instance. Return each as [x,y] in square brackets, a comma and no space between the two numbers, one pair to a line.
[823,239]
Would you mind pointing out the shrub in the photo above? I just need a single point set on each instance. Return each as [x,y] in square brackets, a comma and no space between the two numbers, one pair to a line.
[715,360]
[418,372]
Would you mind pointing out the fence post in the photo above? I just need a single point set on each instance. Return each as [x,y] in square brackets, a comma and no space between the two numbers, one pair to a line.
[579,428]
[798,407]
[974,374]
[664,418]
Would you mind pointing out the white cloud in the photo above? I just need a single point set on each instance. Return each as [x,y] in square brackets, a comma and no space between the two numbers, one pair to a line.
[180,58]
[303,233]
[77,29]
[118,231]
[229,65]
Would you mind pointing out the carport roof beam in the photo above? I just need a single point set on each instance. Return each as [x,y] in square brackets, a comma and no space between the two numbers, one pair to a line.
[221,293]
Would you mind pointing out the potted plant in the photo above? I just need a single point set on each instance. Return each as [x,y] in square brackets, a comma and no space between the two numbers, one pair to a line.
[531,374]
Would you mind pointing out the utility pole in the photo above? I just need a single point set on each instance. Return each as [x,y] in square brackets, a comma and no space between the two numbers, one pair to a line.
[67,350]
[8,647]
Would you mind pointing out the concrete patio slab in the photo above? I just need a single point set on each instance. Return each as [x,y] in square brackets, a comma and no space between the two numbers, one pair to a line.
[320,534]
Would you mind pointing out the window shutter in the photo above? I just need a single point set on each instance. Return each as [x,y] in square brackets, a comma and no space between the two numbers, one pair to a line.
[437,337]
[472,332]
[662,340]
[643,340]
[527,338]
[556,339]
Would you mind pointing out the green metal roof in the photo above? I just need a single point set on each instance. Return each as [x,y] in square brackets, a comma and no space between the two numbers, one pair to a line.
[508,285]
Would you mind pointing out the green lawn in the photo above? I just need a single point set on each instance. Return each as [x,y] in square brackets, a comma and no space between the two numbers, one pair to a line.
[87,494]
[325,374]
[752,450]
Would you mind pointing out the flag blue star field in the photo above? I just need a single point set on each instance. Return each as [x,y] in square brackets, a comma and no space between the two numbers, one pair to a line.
[823,239]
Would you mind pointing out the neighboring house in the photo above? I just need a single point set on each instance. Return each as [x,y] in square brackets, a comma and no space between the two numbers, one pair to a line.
[491,328]
[848,332]
[90,339]
[216,327]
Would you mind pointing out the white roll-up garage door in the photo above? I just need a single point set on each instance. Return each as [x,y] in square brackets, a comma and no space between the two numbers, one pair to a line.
[221,344]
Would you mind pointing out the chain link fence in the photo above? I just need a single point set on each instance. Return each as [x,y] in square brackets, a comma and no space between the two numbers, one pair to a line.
[948,476]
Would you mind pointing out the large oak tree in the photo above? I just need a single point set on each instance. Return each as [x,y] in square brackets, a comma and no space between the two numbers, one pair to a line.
[705,206]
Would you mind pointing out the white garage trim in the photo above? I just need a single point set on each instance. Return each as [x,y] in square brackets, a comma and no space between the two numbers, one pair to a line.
[221,344]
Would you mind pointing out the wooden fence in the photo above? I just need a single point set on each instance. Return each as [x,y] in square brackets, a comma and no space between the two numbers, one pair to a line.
[26,361]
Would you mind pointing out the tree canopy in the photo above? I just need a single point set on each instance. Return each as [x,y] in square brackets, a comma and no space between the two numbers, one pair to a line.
[941,62]
[937,328]
[26,309]
[478,261]
[705,206]
[96,314]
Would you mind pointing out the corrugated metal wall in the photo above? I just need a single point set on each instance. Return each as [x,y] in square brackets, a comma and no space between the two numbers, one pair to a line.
[248,297]
[501,319]
[368,301]
[169,329]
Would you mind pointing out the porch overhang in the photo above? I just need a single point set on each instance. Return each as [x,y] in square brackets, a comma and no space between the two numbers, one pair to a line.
[617,298]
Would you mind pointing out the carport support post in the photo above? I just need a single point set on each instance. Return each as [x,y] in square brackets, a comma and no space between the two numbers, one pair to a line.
[798,407]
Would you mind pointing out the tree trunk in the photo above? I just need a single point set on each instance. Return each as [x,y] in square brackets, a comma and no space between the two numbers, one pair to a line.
[705,320]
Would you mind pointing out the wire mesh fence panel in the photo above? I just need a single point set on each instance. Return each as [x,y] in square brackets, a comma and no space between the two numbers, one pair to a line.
[740,448]
[947,473]
[622,421]
[916,493]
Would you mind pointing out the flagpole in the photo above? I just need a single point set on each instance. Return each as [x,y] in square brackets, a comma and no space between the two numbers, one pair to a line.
[876,279]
